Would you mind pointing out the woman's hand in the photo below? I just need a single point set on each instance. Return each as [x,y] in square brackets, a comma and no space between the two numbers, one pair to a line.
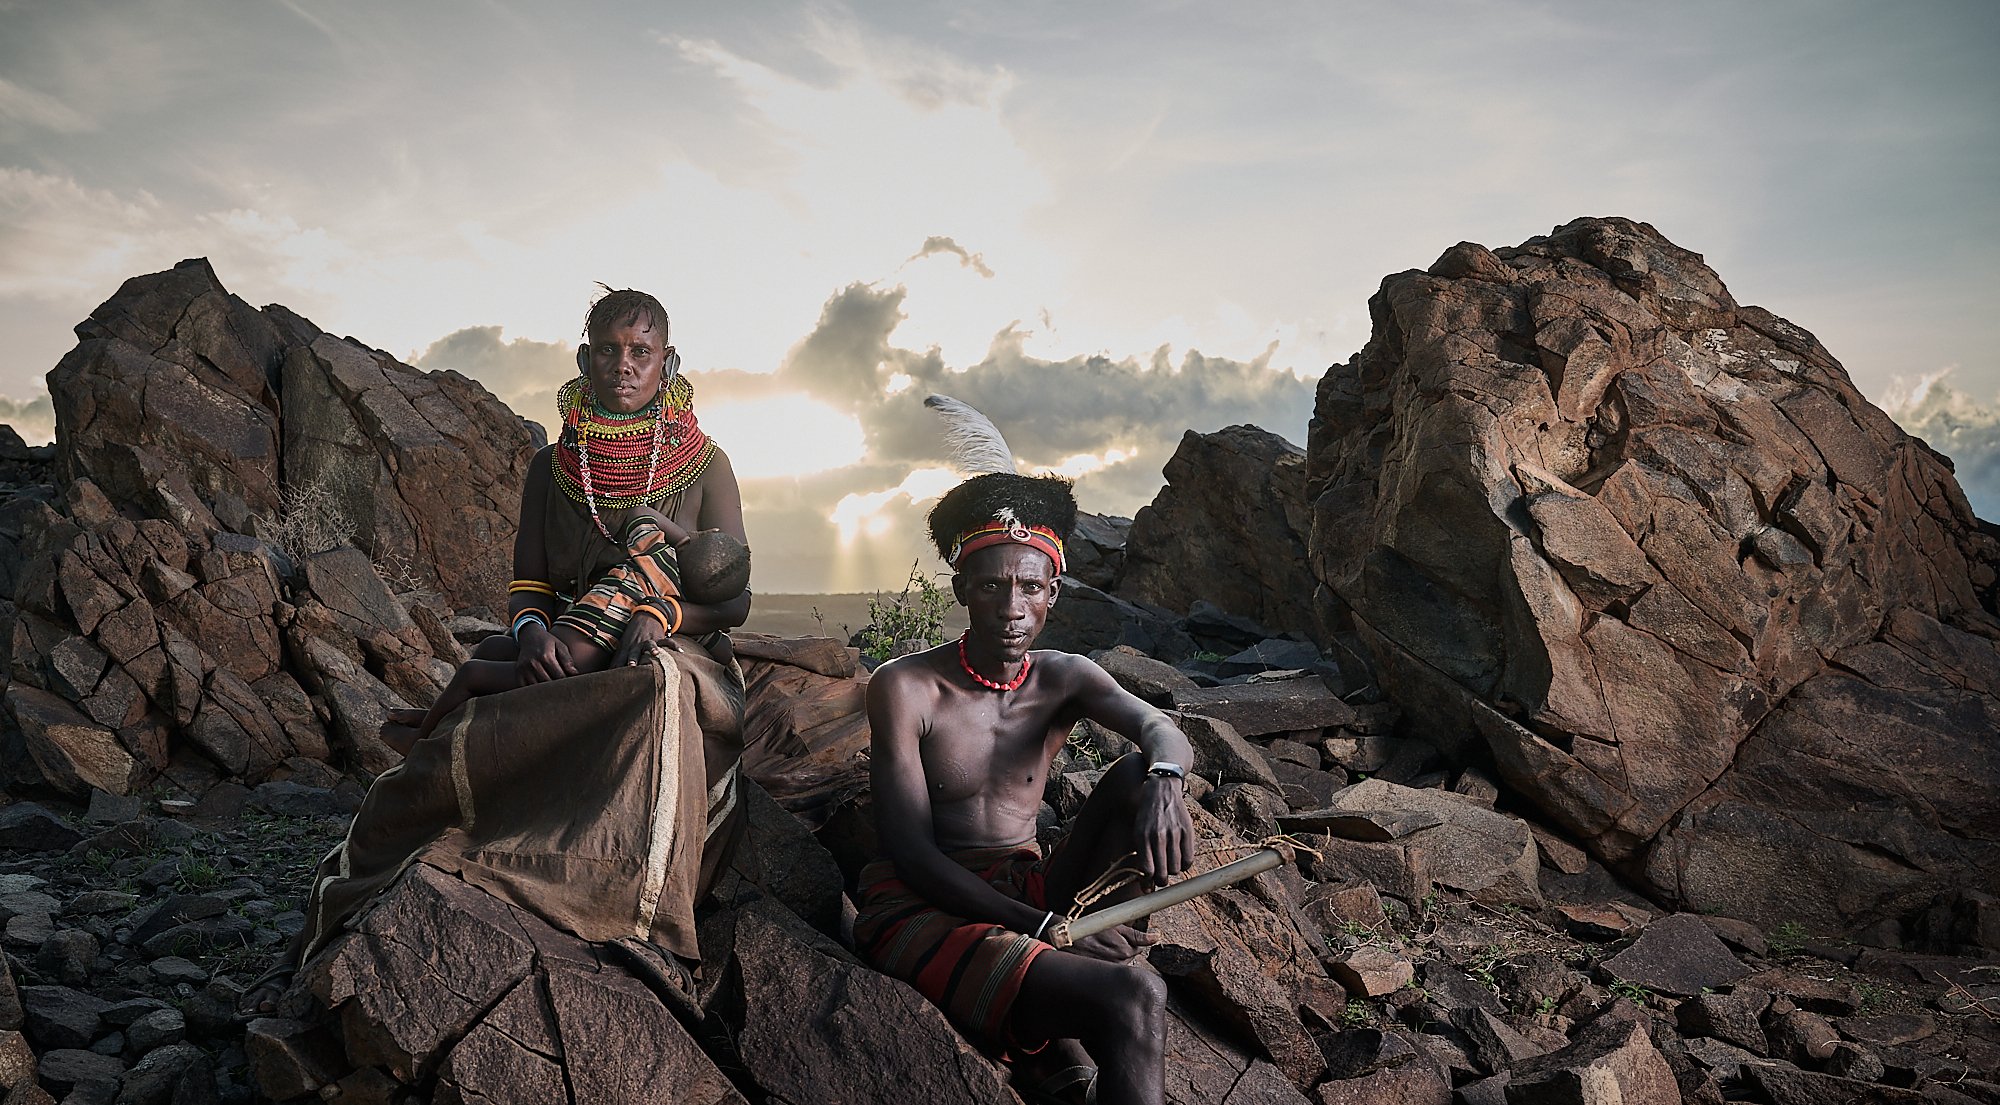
[642,635]
[543,655]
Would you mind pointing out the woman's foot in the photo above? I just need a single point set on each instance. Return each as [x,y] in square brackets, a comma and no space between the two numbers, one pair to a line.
[402,728]
[264,995]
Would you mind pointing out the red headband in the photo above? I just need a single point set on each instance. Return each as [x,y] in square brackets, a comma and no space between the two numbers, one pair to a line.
[998,532]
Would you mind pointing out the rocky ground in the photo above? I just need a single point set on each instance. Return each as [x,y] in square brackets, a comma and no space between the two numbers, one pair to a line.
[132,929]
[132,926]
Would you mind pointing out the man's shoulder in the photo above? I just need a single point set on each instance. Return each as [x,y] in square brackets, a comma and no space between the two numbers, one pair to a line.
[914,670]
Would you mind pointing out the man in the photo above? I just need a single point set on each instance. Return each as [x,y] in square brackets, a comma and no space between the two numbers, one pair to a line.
[963,736]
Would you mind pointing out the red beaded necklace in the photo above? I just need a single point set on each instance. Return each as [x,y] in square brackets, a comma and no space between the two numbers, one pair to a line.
[1026,662]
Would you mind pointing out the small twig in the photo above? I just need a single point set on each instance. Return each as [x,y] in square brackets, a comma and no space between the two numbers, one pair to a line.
[1972,1004]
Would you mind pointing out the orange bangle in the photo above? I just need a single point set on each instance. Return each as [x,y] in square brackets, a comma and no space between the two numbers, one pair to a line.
[648,608]
[680,615]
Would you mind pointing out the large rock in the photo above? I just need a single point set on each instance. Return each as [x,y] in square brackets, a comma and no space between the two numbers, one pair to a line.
[1230,527]
[1698,600]
[1612,1062]
[203,449]
[463,998]
[427,466]
[1470,848]
[819,1026]
[169,401]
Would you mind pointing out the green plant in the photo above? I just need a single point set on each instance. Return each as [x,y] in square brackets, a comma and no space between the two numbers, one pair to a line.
[915,614]
[1482,966]
[1357,930]
[1623,989]
[199,873]
[1083,749]
[1546,1006]
[1357,1015]
[1789,939]
[1208,657]
[1872,997]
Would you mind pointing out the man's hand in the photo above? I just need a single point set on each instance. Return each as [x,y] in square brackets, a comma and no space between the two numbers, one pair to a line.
[642,635]
[1117,944]
[1164,833]
[543,655]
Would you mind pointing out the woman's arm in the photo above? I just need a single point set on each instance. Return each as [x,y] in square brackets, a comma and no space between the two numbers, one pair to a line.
[542,655]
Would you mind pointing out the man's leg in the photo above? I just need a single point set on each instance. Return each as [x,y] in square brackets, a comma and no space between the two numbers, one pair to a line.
[1100,838]
[1118,1012]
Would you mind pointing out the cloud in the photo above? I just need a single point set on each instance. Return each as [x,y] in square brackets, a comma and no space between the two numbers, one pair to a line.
[33,418]
[1960,427]
[938,243]
[1052,411]
[30,108]
[523,372]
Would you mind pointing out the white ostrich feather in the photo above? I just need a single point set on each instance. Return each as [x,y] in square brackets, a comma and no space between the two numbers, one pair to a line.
[973,441]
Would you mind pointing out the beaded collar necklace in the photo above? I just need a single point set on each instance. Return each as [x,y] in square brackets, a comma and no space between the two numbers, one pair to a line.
[617,461]
[963,662]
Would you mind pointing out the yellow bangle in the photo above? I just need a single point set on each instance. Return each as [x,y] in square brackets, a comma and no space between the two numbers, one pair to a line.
[533,586]
[648,608]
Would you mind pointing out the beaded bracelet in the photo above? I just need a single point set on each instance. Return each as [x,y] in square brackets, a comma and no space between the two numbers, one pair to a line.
[529,615]
[658,616]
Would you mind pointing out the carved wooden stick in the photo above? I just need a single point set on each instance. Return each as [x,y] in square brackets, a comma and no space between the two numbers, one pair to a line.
[1066,933]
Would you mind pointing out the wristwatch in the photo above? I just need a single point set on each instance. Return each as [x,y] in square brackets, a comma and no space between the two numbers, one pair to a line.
[1167,769]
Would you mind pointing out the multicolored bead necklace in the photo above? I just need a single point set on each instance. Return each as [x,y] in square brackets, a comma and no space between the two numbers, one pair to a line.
[598,458]
[1026,662]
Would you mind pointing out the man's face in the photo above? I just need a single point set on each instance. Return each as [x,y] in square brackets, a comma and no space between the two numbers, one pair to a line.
[1006,589]
[624,363]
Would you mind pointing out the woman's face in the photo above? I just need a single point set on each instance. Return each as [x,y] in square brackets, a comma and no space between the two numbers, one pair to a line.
[625,362]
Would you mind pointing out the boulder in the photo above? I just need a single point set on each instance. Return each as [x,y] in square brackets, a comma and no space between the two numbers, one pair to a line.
[1240,955]
[1612,1062]
[1228,527]
[1677,955]
[1652,554]
[457,996]
[1260,709]
[1088,619]
[1488,855]
[871,1039]
[1221,754]
[75,754]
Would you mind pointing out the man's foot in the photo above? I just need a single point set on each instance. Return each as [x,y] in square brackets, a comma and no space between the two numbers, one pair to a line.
[1069,1086]
[663,972]
[1059,1074]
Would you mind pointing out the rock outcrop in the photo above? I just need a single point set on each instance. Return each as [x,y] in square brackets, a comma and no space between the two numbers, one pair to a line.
[1651,554]
[203,591]
[1229,528]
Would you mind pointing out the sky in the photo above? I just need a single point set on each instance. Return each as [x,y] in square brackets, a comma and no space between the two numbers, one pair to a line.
[1102,224]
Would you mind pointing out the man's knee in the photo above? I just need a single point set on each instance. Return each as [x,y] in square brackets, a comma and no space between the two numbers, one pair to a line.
[1137,999]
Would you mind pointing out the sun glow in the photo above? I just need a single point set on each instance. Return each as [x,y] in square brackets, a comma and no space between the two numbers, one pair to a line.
[1083,464]
[865,513]
[812,437]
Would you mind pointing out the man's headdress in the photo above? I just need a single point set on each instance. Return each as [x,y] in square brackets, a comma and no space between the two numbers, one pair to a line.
[997,505]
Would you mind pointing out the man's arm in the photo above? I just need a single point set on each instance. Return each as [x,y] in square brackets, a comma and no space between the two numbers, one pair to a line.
[896,711]
[1164,833]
